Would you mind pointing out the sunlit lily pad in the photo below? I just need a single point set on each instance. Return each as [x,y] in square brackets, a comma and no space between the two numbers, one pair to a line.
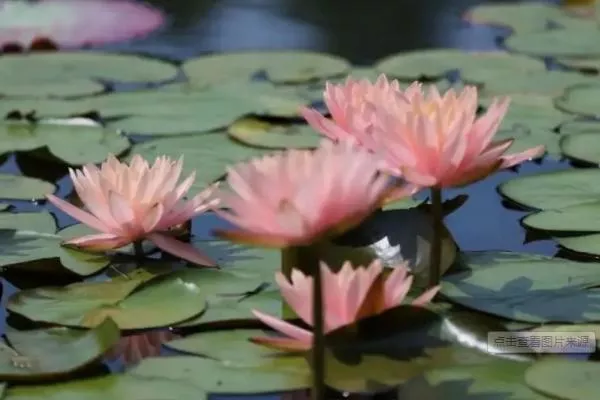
[582,147]
[526,287]
[575,42]
[53,352]
[162,301]
[497,380]
[32,236]
[434,63]
[208,155]
[274,374]
[259,133]
[87,144]
[565,379]
[522,17]
[582,100]
[552,190]
[117,387]
[68,66]
[23,188]
[280,66]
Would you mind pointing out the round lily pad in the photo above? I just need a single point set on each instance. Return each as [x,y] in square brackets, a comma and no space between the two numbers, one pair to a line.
[208,155]
[523,17]
[576,218]
[87,144]
[526,287]
[75,24]
[584,244]
[552,190]
[582,100]
[260,133]
[41,68]
[53,352]
[582,147]
[280,66]
[162,301]
[109,387]
[575,42]
[574,127]
[19,187]
[42,107]
[274,374]
[435,63]
[73,87]
[565,379]
[544,83]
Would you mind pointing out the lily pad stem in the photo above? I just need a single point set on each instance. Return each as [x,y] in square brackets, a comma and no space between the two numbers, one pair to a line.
[435,256]
[318,345]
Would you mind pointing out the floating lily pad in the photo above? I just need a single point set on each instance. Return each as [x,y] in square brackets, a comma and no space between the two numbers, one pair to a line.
[87,144]
[121,387]
[552,190]
[575,42]
[162,301]
[581,63]
[544,83]
[582,147]
[526,287]
[226,345]
[68,24]
[435,63]
[263,134]
[73,87]
[28,237]
[573,328]
[585,126]
[497,380]
[68,66]
[586,244]
[280,66]
[208,155]
[54,352]
[23,188]
[274,374]
[524,138]
[565,379]
[582,100]
[576,218]
[42,107]
[523,17]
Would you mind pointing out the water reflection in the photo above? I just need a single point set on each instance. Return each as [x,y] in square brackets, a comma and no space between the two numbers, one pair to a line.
[132,349]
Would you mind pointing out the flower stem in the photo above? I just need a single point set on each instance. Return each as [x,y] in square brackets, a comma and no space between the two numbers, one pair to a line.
[138,250]
[435,257]
[318,345]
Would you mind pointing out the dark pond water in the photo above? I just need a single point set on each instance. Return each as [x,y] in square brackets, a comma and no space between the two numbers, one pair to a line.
[361,31]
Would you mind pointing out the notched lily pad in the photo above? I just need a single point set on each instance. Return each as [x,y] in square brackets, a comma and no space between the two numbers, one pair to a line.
[575,42]
[583,100]
[263,134]
[17,187]
[54,352]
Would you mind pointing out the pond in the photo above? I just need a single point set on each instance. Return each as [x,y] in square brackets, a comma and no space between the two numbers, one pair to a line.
[69,109]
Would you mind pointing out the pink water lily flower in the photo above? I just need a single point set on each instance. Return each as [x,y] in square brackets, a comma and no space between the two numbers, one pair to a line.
[439,141]
[297,197]
[353,107]
[348,296]
[129,203]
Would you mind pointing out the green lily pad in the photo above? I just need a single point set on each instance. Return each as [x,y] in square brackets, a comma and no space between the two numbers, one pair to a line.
[524,138]
[280,66]
[87,144]
[582,100]
[552,190]
[258,133]
[23,188]
[67,67]
[497,380]
[162,301]
[574,42]
[526,287]
[42,107]
[523,17]
[572,328]
[582,147]
[544,83]
[208,155]
[435,63]
[28,237]
[54,352]
[580,63]
[565,379]
[586,244]
[574,127]
[576,218]
[226,345]
[69,88]
[114,387]
[273,374]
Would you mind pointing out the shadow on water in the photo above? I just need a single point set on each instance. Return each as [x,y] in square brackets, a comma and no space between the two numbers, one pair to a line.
[358,30]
